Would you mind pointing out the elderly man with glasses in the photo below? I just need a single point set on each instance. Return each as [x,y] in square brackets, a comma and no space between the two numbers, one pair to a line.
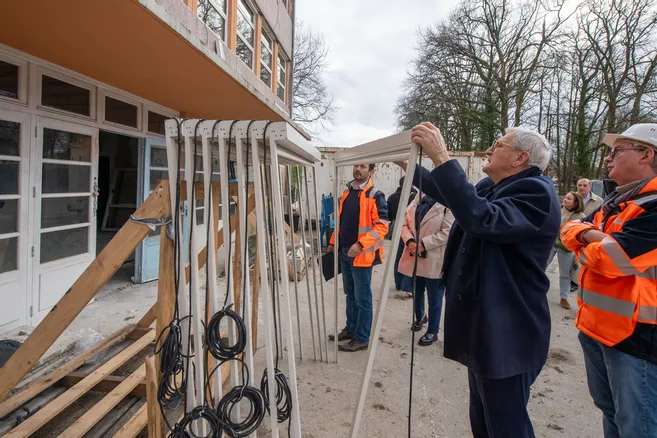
[617,318]
[497,318]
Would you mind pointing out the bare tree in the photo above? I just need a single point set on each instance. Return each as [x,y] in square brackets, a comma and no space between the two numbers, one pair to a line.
[313,106]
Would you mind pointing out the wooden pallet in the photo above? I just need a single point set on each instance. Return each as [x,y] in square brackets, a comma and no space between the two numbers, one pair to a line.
[142,381]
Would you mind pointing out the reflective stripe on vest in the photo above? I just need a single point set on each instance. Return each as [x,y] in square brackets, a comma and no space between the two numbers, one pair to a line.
[363,230]
[609,304]
[373,248]
[623,263]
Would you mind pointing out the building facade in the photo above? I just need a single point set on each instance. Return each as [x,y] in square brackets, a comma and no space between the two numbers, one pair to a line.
[85,87]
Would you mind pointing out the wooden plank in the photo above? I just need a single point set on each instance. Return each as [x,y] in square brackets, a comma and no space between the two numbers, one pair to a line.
[101,269]
[137,333]
[155,426]
[220,239]
[166,288]
[135,424]
[102,408]
[106,385]
[45,382]
[148,318]
[48,412]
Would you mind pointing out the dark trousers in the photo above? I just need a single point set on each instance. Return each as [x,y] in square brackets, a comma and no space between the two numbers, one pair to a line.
[498,407]
[402,282]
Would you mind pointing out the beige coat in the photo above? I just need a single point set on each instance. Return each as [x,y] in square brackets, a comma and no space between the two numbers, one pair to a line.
[594,203]
[434,230]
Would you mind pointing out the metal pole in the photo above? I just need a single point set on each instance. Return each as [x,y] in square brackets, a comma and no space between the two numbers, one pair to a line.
[278,209]
[268,311]
[319,255]
[312,252]
[383,298]
[294,256]
[306,258]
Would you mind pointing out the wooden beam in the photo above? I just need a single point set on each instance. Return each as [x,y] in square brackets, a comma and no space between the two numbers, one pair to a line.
[102,408]
[48,412]
[45,382]
[135,424]
[137,333]
[148,318]
[101,269]
[105,385]
[154,414]
[166,288]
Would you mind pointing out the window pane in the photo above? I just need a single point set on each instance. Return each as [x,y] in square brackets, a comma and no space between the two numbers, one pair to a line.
[120,112]
[265,76]
[8,80]
[56,212]
[64,178]
[158,157]
[265,55]
[280,92]
[245,24]
[62,145]
[8,254]
[155,176]
[62,95]
[66,243]
[244,52]
[8,216]
[10,134]
[211,17]
[156,122]
[281,69]
[9,172]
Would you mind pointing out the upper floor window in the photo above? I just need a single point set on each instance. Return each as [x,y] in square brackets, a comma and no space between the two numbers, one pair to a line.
[245,33]
[282,75]
[8,80]
[266,59]
[213,14]
[65,96]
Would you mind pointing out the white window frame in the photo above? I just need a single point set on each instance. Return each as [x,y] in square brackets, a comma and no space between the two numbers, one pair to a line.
[241,5]
[145,108]
[272,41]
[22,78]
[279,55]
[224,15]
[41,71]
[101,111]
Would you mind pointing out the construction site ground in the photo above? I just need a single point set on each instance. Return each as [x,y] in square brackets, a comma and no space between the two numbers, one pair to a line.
[560,405]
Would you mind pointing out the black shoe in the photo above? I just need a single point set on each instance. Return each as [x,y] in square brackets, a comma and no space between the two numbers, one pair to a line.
[428,339]
[417,326]
[344,335]
[353,345]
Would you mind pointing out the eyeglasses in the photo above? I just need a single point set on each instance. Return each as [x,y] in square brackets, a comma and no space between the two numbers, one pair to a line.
[496,144]
[616,150]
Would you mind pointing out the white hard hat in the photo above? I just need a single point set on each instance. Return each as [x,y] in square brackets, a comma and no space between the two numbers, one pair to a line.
[643,132]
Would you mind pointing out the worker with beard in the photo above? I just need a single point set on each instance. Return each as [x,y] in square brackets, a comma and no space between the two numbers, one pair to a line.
[363,225]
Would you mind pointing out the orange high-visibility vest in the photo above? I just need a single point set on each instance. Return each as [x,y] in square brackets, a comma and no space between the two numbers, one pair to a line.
[371,228]
[617,290]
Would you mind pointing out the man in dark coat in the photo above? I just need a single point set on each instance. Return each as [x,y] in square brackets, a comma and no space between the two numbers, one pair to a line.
[497,320]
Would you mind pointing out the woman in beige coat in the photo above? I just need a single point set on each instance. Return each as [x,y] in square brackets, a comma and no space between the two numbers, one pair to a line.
[435,222]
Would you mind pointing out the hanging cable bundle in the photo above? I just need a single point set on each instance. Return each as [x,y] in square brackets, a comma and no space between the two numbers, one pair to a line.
[283,394]
[256,412]
[216,345]
[201,413]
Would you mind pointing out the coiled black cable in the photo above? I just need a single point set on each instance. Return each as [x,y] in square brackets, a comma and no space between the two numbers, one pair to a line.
[216,345]
[256,413]
[184,428]
[283,395]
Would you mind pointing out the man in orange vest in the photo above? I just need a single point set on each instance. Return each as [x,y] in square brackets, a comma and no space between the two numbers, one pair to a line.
[617,249]
[363,224]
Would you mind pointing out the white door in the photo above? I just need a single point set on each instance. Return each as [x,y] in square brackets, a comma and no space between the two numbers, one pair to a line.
[63,243]
[14,180]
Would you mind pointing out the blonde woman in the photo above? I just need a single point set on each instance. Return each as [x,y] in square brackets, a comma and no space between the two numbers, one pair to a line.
[435,221]
[572,208]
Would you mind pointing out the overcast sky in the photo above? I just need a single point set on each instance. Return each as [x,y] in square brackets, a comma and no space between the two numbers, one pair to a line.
[371,45]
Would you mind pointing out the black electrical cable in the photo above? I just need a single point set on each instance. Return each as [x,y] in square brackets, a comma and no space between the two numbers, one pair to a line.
[283,394]
[215,344]
[417,251]
[184,427]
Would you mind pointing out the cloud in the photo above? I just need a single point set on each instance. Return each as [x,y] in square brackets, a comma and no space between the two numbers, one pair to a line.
[371,45]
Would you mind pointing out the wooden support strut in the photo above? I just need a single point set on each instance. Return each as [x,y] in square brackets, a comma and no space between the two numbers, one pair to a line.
[101,269]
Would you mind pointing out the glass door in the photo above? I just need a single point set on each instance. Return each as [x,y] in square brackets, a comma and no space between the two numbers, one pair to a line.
[14,180]
[153,165]
[64,180]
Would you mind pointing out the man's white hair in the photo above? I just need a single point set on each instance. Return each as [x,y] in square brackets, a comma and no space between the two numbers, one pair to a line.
[586,180]
[534,143]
